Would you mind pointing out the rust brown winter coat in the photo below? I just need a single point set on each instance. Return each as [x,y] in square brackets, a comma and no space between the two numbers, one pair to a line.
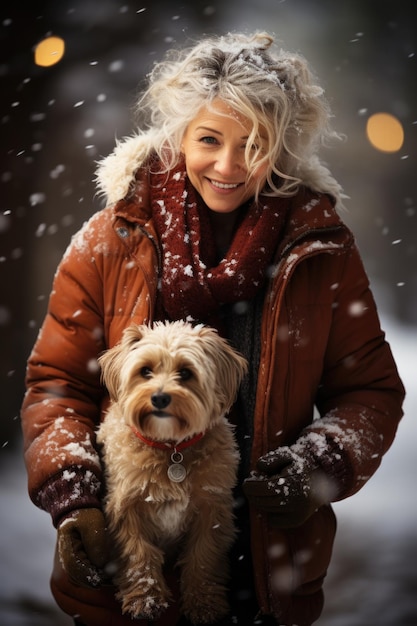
[321,345]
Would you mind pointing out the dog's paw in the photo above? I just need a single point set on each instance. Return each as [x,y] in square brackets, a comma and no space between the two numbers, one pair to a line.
[207,606]
[144,606]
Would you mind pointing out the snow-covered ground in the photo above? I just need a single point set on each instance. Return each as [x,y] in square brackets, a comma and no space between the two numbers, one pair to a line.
[373,576]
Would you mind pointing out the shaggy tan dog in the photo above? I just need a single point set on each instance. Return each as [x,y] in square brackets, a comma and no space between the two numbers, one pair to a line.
[171,460]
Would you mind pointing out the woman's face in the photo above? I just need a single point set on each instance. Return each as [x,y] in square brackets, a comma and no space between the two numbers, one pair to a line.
[214,149]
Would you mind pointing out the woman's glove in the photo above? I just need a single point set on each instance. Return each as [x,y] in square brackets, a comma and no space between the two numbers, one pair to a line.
[288,486]
[83,547]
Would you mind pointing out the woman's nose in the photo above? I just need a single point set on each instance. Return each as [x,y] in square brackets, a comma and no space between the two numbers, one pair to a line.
[229,161]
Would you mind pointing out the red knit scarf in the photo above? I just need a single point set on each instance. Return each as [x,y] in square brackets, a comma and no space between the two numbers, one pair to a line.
[193,284]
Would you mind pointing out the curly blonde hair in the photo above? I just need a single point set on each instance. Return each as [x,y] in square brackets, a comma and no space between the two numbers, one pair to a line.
[275,91]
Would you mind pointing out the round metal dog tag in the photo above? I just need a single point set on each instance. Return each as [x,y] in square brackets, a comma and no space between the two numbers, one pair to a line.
[177,472]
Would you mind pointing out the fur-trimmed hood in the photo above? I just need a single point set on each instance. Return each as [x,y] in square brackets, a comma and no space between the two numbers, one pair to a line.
[116,172]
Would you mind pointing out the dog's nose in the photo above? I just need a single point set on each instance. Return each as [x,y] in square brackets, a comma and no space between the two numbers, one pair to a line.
[160,400]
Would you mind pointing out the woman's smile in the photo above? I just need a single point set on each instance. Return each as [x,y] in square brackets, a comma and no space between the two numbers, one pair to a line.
[224,185]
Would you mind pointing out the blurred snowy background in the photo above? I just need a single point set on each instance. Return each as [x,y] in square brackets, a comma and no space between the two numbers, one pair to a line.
[57,121]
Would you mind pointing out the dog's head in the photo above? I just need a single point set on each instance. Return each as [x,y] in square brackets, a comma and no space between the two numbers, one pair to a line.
[173,380]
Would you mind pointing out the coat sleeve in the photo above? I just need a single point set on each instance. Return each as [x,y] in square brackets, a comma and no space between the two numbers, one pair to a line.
[360,396]
[62,405]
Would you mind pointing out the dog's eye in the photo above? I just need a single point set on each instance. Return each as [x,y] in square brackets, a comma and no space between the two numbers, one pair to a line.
[185,373]
[145,372]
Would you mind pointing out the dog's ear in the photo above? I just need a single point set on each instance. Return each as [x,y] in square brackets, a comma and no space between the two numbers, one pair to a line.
[108,362]
[132,334]
[230,366]
[111,361]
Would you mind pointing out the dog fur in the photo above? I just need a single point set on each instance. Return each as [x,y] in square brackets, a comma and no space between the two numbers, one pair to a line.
[170,383]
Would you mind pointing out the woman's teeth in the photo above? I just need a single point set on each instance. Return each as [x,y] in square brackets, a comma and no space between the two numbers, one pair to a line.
[224,185]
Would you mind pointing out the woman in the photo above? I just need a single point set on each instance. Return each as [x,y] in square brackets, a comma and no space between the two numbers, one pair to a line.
[221,212]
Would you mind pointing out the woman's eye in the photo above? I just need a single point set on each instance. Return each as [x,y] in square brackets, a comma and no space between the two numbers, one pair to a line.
[146,372]
[209,140]
[185,374]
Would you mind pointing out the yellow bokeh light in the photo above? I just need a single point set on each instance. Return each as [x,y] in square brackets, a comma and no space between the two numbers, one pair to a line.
[385,132]
[49,51]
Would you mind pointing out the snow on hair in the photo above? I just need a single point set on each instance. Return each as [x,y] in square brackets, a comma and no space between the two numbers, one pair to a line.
[275,91]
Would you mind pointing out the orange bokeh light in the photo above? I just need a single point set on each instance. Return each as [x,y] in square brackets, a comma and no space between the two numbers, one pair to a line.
[49,51]
[385,132]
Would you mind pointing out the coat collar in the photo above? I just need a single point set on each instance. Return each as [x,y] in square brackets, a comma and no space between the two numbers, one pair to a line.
[311,219]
